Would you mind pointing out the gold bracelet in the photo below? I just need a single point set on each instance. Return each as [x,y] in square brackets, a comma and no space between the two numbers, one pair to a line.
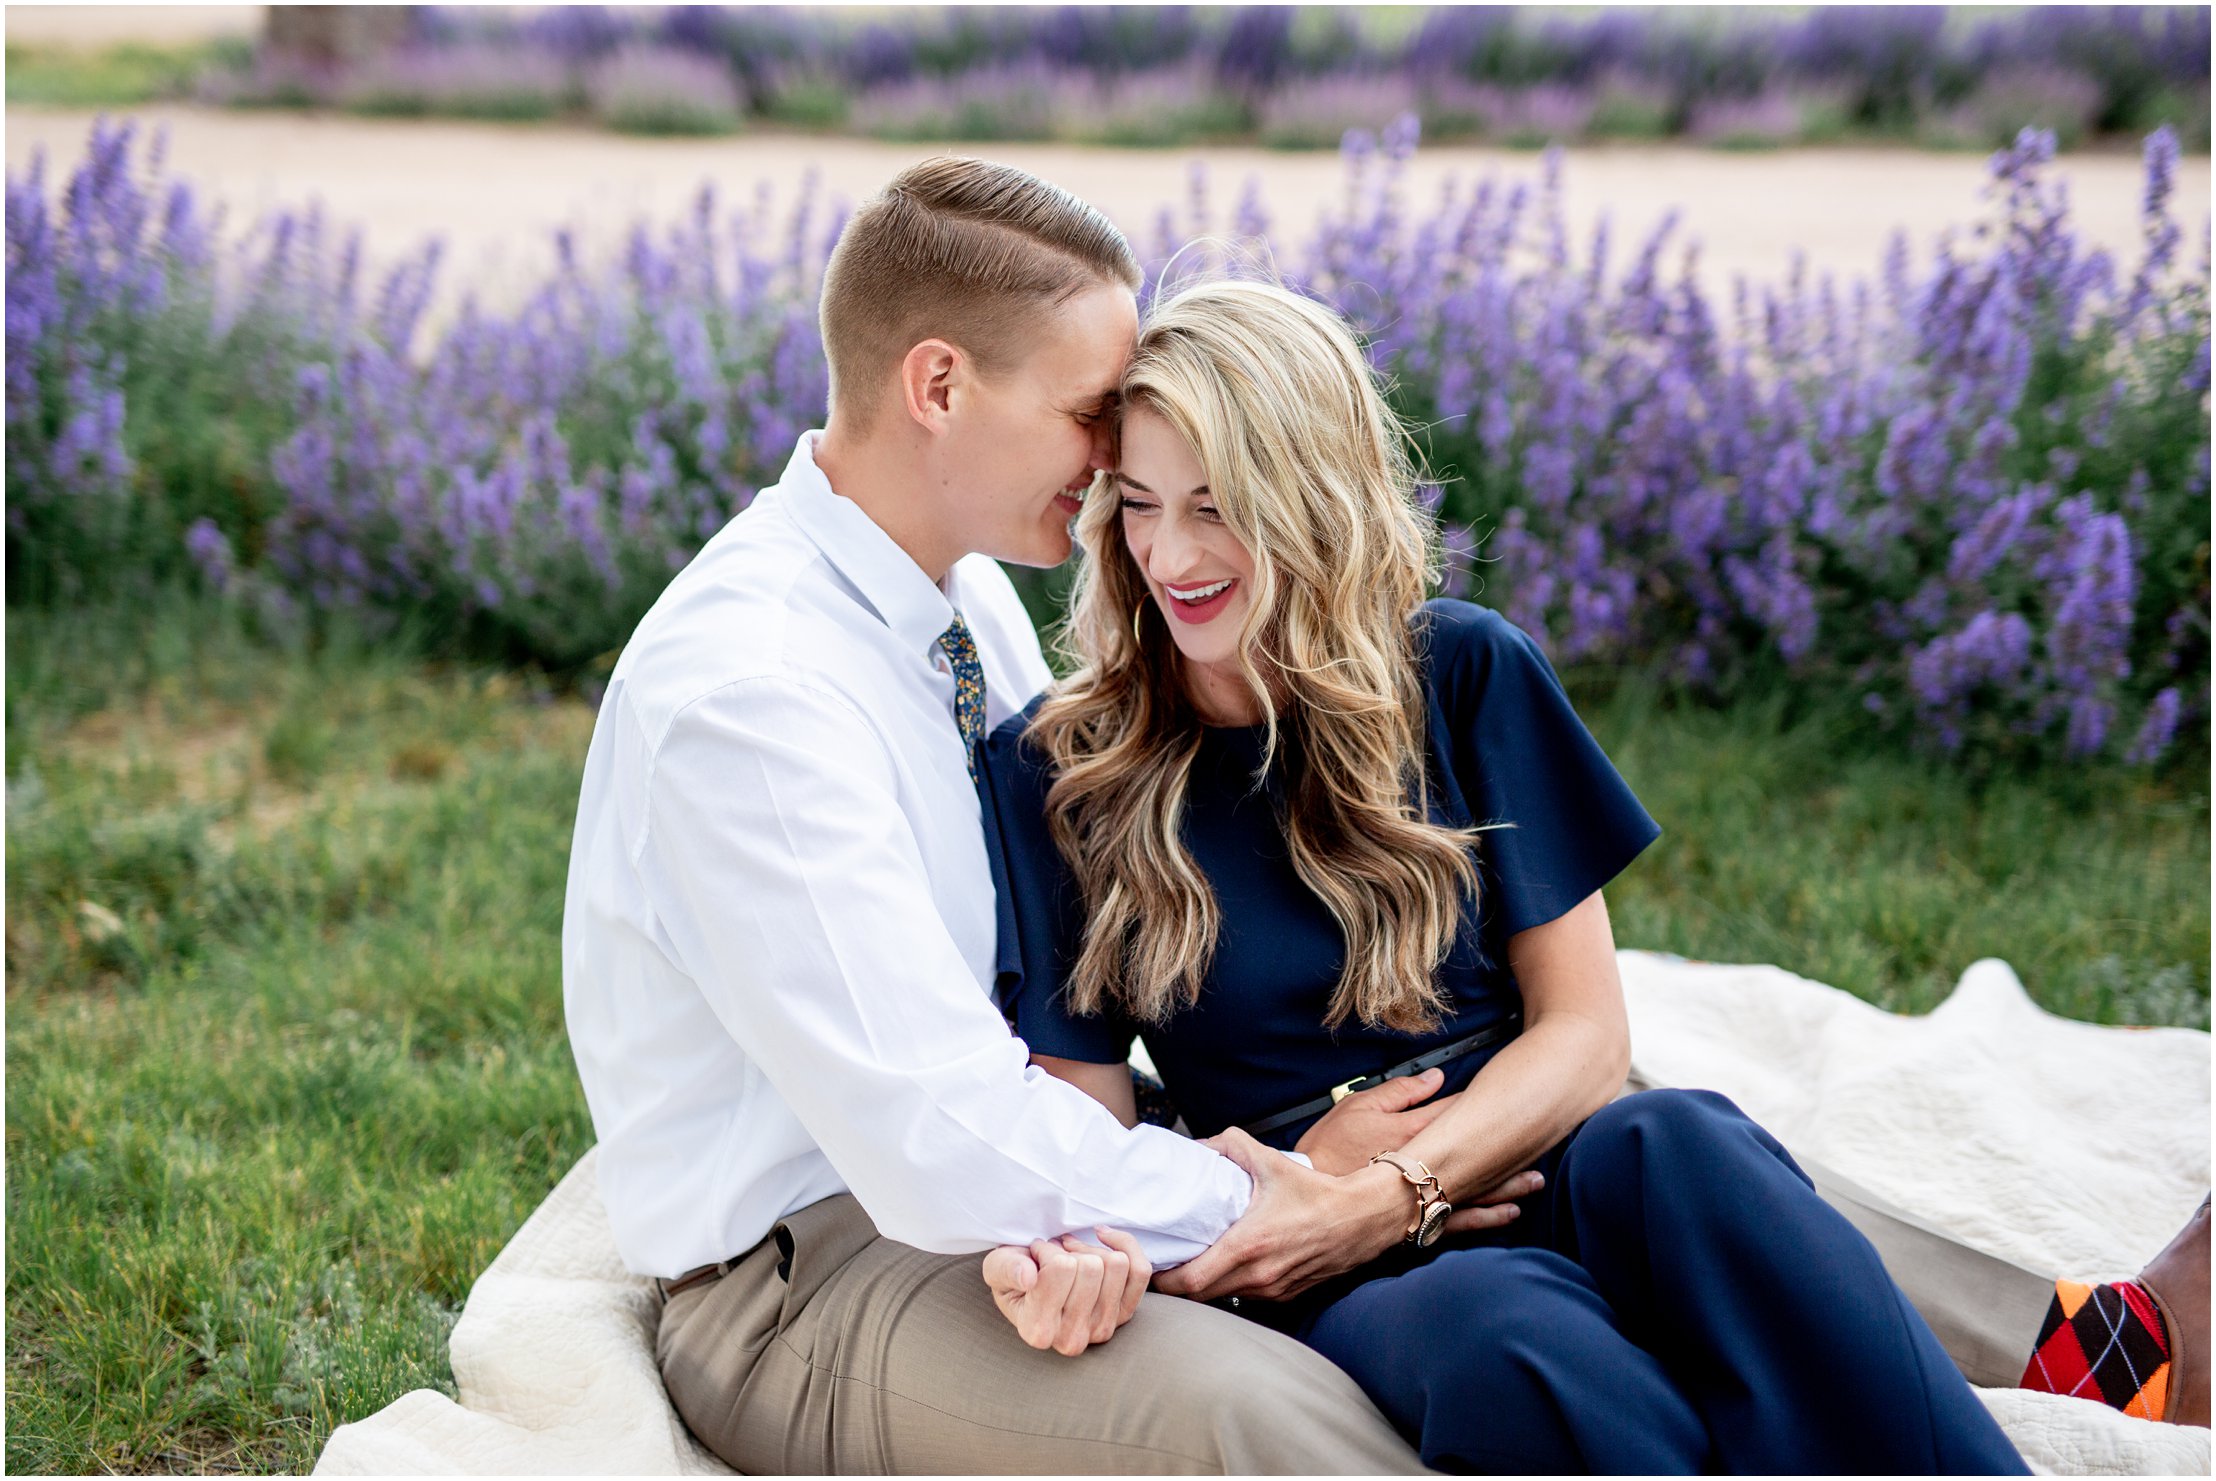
[1432,1207]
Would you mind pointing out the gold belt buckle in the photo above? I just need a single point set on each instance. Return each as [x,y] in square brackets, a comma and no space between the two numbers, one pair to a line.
[1341,1092]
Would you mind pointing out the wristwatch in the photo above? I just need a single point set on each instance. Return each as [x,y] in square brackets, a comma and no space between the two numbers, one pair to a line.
[1432,1207]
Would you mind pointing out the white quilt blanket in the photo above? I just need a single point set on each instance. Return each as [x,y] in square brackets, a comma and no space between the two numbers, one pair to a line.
[2062,1146]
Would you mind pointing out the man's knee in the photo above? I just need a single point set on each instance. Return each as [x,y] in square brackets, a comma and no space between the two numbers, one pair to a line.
[1223,1361]
[1256,1398]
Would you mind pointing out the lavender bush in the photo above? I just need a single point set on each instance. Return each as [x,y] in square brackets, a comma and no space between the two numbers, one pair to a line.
[1016,101]
[1768,121]
[1975,497]
[464,80]
[1318,111]
[2013,98]
[1153,108]
[1946,76]
[1626,106]
[535,482]
[802,96]
[1969,496]
[647,89]
[148,371]
[1534,117]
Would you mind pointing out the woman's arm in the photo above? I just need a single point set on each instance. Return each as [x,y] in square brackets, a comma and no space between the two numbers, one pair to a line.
[1110,1084]
[1566,1066]
[1569,1061]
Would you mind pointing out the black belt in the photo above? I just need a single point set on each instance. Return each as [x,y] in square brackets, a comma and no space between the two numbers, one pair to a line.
[1430,1059]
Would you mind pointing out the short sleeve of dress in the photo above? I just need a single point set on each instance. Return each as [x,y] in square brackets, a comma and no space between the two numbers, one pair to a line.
[1038,912]
[1522,756]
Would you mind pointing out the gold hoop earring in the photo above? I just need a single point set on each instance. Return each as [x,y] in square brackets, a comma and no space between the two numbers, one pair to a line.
[1138,615]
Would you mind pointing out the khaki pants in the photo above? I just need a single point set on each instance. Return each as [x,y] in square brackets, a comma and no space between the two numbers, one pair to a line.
[829,1349]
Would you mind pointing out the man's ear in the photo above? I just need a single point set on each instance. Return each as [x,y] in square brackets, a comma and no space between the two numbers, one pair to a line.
[928,373]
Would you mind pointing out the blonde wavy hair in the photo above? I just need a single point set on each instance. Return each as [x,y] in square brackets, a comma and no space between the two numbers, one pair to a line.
[1311,474]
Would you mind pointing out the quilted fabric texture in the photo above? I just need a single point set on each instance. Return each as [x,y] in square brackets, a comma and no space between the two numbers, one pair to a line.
[2059,1145]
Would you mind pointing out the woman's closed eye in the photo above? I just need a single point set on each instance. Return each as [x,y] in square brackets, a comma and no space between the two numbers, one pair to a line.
[1143,506]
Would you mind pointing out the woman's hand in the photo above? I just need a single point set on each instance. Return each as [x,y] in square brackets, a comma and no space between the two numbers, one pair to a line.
[1066,1294]
[1301,1227]
[1380,1119]
[1495,1208]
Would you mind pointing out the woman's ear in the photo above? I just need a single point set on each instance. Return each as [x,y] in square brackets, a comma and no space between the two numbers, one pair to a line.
[927,375]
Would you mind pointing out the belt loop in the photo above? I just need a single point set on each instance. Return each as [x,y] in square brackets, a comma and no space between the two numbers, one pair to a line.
[698,1275]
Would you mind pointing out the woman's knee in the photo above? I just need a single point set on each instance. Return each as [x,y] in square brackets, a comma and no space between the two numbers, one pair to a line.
[1672,1120]
[1666,1140]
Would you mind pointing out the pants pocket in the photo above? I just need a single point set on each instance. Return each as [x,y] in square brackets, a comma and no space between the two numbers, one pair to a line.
[814,1243]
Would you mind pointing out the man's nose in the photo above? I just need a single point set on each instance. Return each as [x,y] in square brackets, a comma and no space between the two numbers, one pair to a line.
[1103,454]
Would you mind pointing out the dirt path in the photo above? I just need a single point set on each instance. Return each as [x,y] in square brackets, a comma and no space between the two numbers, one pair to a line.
[87,27]
[496,192]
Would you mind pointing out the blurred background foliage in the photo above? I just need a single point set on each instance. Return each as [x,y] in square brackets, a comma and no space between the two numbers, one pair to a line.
[1294,77]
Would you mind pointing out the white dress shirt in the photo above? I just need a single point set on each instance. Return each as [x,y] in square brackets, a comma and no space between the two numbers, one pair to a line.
[778,939]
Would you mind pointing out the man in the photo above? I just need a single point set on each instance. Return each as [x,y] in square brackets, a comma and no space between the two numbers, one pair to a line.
[779,929]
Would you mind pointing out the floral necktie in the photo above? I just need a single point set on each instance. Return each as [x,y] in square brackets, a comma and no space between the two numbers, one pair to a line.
[969,687]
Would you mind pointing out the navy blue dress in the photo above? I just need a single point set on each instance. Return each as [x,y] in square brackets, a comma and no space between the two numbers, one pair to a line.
[1503,746]
[1677,1298]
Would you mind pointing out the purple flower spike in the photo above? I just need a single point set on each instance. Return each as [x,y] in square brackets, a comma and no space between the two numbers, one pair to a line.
[1967,490]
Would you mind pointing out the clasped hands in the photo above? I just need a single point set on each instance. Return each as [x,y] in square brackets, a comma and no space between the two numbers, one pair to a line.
[1303,1226]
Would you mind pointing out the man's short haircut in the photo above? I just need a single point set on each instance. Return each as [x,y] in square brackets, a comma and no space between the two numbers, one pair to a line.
[961,250]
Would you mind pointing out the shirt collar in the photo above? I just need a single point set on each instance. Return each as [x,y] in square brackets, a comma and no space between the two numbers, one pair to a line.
[906,600]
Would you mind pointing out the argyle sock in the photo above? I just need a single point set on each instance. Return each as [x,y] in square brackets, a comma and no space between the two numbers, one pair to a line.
[2106,1343]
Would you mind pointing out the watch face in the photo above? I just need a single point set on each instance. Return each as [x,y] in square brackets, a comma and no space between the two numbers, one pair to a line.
[1434,1223]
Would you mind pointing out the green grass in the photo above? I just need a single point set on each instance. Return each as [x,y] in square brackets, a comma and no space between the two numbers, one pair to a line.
[1807,843]
[116,76]
[285,1051]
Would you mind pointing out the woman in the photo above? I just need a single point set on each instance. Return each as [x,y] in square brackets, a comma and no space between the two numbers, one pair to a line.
[1294,826]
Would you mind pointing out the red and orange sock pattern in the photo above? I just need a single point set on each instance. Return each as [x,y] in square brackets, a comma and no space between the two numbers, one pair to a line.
[2106,1343]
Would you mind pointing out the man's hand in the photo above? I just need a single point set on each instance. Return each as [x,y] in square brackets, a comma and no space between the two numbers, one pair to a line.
[1302,1227]
[1066,1294]
[1380,1119]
